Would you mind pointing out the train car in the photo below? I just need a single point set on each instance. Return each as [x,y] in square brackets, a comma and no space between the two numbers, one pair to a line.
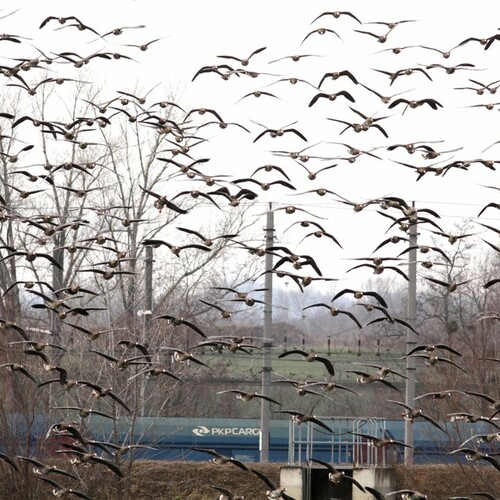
[174,438]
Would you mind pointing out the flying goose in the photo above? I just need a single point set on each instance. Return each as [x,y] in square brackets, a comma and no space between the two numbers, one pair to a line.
[368,378]
[61,491]
[244,61]
[248,396]
[221,459]
[334,311]
[336,476]
[274,492]
[41,469]
[300,418]
[380,442]
[310,357]
[474,455]
[412,413]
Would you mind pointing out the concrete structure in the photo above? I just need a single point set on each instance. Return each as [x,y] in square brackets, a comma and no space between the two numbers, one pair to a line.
[294,478]
[381,478]
[311,483]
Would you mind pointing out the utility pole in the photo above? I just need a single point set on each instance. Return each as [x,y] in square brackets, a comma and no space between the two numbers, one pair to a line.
[410,337]
[148,271]
[57,284]
[265,407]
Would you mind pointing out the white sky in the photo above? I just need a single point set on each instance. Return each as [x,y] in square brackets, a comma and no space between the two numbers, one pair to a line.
[194,33]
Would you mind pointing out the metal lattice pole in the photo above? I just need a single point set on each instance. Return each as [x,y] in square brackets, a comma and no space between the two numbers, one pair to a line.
[265,408]
[411,338]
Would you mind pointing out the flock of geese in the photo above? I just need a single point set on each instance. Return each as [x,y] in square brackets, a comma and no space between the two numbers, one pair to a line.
[45,202]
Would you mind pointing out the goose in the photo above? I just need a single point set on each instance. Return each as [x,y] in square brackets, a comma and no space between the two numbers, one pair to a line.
[310,357]
[380,442]
[218,345]
[321,234]
[248,396]
[38,346]
[178,321]
[483,438]
[175,249]
[335,75]
[433,360]
[404,72]
[301,387]
[41,469]
[409,495]
[244,61]
[359,294]
[334,311]
[412,413]
[383,370]
[431,348]
[445,53]
[311,175]
[122,363]
[494,404]
[182,356]
[238,293]
[84,412]
[331,97]
[300,418]
[223,70]
[336,15]
[380,38]
[63,379]
[258,93]
[320,31]
[61,491]
[269,168]
[6,324]
[161,202]
[328,386]
[143,46]
[392,24]
[265,186]
[60,20]
[83,456]
[120,30]
[415,103]
[379,269]
[450,286]
[18,368]
[471,417]
[294,57]
[156,372]
[119,450]
[101,392]
[9,460]
[451,69]
[92,334]
[280,132]
[368,378]
[359,127]
[224,313]
[336,476]
[474,455]
[274,492]
[439,394]
[226,494]
[221,459]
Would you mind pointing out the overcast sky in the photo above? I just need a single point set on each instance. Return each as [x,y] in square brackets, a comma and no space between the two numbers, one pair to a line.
[192,34]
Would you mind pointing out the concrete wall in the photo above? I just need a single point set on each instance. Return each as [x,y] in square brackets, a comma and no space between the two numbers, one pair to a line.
[382,479]
[294,478]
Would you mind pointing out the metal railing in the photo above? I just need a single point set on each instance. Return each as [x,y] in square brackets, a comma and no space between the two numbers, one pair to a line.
[340,447]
